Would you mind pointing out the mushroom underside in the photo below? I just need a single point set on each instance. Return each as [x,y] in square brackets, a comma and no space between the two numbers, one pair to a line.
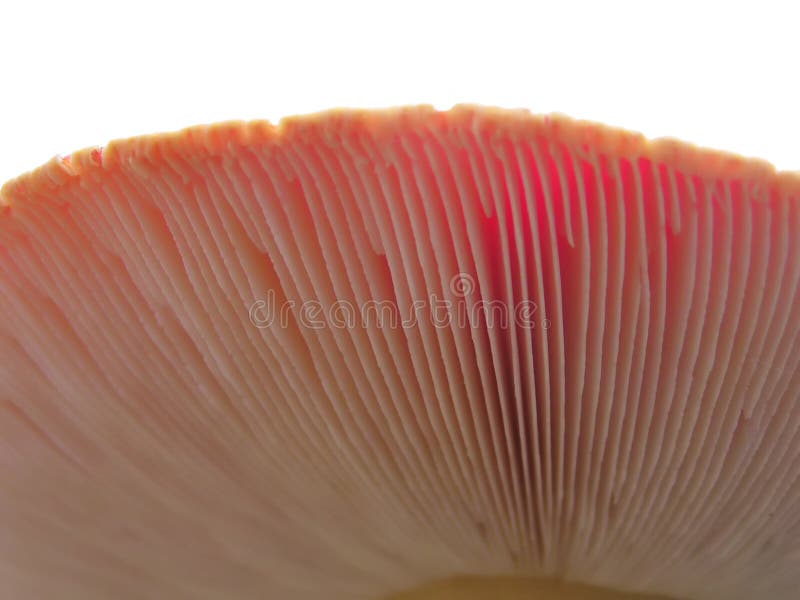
[362,351]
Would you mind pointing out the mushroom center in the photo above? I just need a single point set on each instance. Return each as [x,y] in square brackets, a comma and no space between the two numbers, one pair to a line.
[514,588]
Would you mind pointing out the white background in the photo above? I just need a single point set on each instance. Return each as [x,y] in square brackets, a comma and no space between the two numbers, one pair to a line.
[76,74]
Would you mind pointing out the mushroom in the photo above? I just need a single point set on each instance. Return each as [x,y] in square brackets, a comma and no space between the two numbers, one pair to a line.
[407,353]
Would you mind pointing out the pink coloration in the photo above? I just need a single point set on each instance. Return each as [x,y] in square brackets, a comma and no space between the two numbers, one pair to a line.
[640,432]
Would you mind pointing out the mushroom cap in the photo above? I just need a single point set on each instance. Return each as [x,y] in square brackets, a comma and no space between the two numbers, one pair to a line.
[364,350]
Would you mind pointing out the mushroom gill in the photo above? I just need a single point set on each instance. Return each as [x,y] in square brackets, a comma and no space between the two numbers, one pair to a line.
[365,352]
